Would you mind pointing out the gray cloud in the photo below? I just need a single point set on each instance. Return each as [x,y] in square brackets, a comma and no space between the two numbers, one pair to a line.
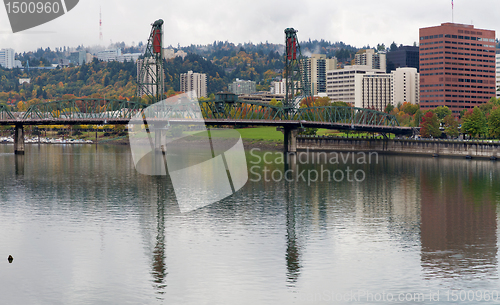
[188,22]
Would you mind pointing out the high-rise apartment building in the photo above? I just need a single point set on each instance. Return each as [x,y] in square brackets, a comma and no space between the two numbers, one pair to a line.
[403,57]
[375,91]
[194,84]
[498,74]
[7,58]
[370,59]
[457,66]
[316,66]
[405,86]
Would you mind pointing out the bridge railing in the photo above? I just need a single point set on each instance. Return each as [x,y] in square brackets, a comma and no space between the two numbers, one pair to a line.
[83,109]
[5,113]
[346,115]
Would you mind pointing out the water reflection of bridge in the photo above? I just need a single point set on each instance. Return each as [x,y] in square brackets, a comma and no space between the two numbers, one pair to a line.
[219,112]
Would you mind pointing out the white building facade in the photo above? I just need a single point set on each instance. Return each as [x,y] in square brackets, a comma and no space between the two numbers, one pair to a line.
[117,55]
[405,86]
[109,55]
[194,84]
[375,91]
[498,74]
[7,58]
[364,87]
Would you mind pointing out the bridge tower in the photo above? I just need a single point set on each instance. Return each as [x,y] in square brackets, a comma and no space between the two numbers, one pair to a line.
[296,86]
[296,73]
[150,76]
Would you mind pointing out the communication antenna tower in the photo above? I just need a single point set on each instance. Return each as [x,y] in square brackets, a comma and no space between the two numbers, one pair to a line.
[100,26]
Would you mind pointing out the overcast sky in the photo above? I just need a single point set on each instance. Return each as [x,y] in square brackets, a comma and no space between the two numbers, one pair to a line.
[355,22]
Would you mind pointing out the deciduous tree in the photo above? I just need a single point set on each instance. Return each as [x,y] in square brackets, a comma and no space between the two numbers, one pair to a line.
[451,126]
[430,125]
[474,122]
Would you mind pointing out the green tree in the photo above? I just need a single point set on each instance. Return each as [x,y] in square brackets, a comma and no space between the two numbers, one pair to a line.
[388,108]
[494,123]
[430,125]
[442,112]
[417,118]
[474,122]
[451,126]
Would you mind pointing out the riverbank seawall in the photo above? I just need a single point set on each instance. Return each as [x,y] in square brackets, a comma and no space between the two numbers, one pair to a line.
[431,147]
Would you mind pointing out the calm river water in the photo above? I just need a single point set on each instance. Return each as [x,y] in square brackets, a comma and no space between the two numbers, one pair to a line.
[85,228]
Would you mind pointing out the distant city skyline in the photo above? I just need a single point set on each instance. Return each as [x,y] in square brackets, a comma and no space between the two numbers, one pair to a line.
[202,22]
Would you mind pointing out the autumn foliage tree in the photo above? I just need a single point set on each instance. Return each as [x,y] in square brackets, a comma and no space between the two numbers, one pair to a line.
[451,126]
[430,125]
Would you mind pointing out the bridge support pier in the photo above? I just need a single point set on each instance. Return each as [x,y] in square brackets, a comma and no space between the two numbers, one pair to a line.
[290,139]
[157,140]
[19,140]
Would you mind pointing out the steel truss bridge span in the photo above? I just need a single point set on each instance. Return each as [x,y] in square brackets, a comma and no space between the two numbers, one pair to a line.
[100,111]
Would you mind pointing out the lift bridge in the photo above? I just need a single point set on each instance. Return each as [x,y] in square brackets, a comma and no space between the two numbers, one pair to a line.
[225,110]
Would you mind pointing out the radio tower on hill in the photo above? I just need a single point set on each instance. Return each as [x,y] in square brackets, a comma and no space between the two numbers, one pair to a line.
[100,26]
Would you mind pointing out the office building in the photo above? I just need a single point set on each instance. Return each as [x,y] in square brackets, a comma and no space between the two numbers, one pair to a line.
[353,85]
[117,55]
[370,59]
[7,58]
[109,55]
[130,57]
[364,87]
[261,97]
[316,66]
[457,66]
[242,87]
[403,57]
[194,84]
[78,58]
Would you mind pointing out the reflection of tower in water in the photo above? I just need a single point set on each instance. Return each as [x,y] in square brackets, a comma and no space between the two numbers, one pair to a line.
[292,247]
[458,228]
[159,267]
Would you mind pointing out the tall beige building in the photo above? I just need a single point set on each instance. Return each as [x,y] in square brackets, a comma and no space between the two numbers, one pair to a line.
[194,84]
[497,57]
[317,65]
[405,86]
[375,91]
[371,59]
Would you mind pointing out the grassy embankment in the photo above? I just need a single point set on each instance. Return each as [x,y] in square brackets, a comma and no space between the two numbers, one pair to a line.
[259,135]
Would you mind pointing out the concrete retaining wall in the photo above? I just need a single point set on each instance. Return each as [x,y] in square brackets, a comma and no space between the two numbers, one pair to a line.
[455,148]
